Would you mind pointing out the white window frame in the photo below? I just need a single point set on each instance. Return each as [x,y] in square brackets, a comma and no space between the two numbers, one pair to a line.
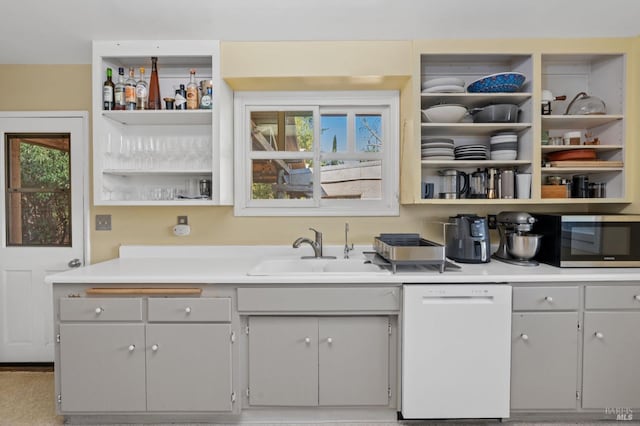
[385,103]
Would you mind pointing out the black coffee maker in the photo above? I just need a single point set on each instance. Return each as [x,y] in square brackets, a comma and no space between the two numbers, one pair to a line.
[467,239]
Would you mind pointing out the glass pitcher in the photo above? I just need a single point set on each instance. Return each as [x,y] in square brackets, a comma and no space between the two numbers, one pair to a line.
[478,184]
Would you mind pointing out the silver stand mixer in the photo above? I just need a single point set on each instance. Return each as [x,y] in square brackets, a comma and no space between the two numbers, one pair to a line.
[517,246]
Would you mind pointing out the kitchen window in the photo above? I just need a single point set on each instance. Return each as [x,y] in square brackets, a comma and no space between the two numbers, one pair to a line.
[316,153]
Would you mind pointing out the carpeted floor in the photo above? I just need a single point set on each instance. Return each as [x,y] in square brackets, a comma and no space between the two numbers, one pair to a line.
[27,398]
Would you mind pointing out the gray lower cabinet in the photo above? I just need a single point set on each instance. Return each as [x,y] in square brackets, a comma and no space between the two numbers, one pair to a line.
[611,376]
[103,367]
[189,367]
[544,360]
[309,361]
[145,367]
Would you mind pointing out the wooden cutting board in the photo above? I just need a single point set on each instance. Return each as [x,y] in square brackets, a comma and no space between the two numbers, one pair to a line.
[586,163]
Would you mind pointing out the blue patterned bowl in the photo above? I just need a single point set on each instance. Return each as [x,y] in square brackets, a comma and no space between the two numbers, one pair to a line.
[503,82]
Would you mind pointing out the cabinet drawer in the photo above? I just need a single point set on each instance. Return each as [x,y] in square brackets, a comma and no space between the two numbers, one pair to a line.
[100,309]
[545,298]
[612,297]
[318,299]
[185,309]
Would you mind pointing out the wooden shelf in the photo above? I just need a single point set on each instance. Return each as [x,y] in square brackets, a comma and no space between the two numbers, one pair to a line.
[551,122]
[470,129]
[560,170]
[472,100]
[161,117]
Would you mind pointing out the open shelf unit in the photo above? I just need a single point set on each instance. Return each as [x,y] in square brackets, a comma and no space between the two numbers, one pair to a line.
[158,157]
[601,71]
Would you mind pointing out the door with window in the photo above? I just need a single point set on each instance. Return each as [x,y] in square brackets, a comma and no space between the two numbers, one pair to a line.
[42,224]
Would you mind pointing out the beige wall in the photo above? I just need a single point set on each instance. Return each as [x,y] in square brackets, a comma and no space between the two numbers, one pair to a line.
[68,87]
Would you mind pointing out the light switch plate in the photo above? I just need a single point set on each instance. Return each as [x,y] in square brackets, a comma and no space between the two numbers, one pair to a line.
[103,222]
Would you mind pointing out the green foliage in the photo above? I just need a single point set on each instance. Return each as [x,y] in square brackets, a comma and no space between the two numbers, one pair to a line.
[304,132]
[46,215]
[262,191]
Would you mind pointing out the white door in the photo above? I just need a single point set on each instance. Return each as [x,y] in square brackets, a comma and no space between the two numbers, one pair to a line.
[41,223]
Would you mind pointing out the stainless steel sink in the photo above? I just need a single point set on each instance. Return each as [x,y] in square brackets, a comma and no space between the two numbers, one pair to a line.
[316,267]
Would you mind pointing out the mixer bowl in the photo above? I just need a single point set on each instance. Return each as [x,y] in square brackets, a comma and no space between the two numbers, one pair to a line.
[523,247]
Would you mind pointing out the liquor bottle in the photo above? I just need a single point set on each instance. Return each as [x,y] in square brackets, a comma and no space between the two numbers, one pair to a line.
[142,92]
[107,91]
[119,100]
[181,98]
[205,101]
[192,91]
[130,91]
[154,86]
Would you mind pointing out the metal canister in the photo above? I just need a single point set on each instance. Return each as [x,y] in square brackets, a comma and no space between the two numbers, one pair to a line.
[205,188]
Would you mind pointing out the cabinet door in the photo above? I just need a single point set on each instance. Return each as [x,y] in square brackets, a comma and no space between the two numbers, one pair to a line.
[544,360]
[102,367]
[189,367]
[283,361]
[611,377]
[353,360]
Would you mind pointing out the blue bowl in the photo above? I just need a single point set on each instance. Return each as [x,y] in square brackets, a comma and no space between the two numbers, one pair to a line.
[503,82]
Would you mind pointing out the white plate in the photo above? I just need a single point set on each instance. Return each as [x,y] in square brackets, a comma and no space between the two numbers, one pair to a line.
[437,145]
[447,88]
[443,81]
[504,155]
[438,157]
[437,151]
[472,157]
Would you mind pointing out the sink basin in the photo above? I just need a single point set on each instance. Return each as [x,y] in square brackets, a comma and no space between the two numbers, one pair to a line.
[316,267]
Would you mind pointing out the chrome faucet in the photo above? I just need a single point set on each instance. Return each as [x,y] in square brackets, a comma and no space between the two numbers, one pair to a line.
[316,245]
[347,248]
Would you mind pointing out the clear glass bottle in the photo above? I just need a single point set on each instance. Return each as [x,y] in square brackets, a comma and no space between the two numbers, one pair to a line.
[154,86]
[130,91]
[142,92]
[205,101]
[107,91]
[119,100]
[192,91]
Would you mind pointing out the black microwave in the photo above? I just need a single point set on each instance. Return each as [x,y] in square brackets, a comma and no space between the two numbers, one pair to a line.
[588,240]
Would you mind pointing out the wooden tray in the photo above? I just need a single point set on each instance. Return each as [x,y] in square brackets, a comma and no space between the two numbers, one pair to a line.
[573,154]
[553,191]
[586,163]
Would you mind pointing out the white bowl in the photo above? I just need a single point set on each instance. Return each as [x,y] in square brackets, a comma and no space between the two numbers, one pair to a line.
[443,81]
[444,113]
[504,155]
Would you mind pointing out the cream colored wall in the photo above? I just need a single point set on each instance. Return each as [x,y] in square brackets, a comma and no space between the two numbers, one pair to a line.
[331,66]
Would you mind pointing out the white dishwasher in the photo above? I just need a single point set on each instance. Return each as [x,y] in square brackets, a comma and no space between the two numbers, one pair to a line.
[456,351]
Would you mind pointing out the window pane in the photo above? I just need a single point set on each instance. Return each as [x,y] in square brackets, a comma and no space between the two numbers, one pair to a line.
[368,132]
[38,190]
[283,179]
[333,133]
[351,180]
[282,131]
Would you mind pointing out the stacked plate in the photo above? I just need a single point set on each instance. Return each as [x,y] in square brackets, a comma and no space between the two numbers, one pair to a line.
[504,146]
[437,149]
[471,152]
[443,85]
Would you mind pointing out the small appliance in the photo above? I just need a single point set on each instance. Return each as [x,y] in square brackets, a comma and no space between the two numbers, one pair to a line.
[467,239]
[455,184]
[517,245]
[589,240]
[478,184]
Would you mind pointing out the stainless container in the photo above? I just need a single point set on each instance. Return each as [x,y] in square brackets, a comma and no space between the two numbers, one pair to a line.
[523,246]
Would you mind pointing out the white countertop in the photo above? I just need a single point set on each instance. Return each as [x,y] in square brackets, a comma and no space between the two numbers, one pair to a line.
[230,265]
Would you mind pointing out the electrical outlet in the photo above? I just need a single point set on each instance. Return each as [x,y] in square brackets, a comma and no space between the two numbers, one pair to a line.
[492,221]
[103,222]
[183,220]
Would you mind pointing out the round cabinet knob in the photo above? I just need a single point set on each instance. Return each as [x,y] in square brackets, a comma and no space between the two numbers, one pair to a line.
[307,340]
[637,297]
[99,310]
[131,348]
[154,347]
[599,335]
[524,336]
[329,340]
[187,310]
[549,299]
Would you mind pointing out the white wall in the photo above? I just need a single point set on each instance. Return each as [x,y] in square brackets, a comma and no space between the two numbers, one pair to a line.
[59,32]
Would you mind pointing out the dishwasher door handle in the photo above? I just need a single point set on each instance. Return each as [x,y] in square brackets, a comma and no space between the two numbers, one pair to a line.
[457,300]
